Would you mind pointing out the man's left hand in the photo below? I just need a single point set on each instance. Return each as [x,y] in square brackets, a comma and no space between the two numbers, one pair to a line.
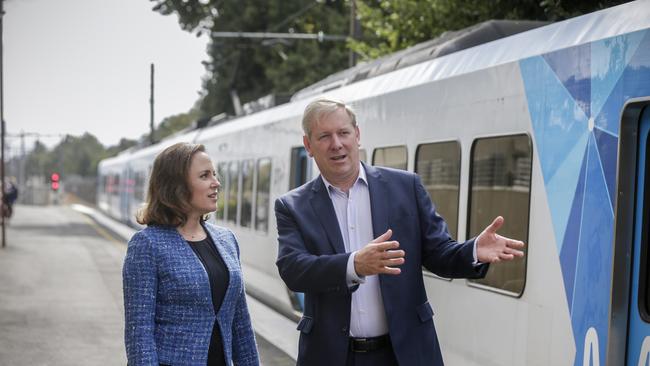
[492,247]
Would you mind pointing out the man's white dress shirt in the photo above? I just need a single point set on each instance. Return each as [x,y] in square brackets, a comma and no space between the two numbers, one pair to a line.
[367,315]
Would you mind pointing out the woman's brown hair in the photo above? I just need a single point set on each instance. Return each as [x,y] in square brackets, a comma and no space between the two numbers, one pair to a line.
[169,194]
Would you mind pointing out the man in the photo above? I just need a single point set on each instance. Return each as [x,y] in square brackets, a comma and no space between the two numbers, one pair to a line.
[354,240]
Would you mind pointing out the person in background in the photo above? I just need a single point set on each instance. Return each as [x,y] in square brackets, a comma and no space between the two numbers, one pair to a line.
[354,240]
[184,299]
[9,197]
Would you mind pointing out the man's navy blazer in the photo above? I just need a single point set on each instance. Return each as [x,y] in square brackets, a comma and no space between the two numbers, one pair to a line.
[312,259]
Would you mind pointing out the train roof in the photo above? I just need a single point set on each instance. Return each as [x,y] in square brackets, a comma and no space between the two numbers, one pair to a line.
[491,43]
[447,43]
[622,19]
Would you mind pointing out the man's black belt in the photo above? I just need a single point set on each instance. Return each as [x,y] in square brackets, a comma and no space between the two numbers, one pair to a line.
[369,344]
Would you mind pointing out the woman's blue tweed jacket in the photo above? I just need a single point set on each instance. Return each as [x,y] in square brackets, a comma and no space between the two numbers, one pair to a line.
[168,303]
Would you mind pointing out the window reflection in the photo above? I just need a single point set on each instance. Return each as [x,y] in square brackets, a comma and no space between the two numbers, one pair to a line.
[222,175]
[247,194]
[438,165]
[500,185]
[233,190]
[391,157]
[262,199]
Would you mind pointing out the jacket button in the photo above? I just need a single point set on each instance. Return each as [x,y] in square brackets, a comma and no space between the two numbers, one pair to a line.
[344,330]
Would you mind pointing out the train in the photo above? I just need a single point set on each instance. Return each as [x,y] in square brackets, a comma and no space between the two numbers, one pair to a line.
[544,124]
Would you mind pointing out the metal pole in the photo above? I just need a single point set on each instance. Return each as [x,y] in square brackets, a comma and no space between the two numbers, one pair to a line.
[21,167]
[152,139]
[2,123]
[352,57]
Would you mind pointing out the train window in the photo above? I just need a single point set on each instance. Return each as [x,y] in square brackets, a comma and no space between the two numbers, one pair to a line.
[116,184]
[299,167]
[262,198]
[500,185]
[139,188]
[108,184]
[391,157]
[104,184]
[100,183]
[438,165]
[233,191]
[363,155]
[223,191]
[246,219]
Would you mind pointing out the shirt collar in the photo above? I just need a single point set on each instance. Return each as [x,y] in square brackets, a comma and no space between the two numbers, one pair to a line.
[362,177]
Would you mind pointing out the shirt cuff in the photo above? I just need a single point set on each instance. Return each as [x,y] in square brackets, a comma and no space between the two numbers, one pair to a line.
[474,252]
[352,278]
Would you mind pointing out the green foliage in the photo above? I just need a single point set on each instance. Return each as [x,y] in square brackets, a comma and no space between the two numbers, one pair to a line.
[37,160]
[73,155]
[78,155]
[392,25]
[252,68]
[175,123]
[121,146]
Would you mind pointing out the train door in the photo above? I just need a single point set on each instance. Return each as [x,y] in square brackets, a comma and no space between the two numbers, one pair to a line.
[125,193]
[628,341]
[299,175]
[638,349]
[300,167]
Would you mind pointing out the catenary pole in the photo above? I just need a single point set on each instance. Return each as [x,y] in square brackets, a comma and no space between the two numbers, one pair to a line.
[2,123]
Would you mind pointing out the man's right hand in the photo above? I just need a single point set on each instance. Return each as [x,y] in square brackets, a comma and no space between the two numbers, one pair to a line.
[379,256]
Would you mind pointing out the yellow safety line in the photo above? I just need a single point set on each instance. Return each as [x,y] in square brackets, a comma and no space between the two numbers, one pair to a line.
[103,232]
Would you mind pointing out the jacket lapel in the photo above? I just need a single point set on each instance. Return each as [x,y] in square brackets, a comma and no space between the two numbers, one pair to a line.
[324,212]
[379,196]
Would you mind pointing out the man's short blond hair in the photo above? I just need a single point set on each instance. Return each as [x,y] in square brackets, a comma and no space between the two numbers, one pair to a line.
[322,107]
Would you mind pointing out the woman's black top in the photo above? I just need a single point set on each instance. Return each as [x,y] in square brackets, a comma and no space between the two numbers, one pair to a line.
[219,278]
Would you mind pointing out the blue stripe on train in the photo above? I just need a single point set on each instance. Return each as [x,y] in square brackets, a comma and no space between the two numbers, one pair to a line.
[575,97]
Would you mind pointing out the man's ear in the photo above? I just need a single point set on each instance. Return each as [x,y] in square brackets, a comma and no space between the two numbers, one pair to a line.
[305,142]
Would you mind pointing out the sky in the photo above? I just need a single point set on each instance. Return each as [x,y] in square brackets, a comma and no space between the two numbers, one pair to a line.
[75,66]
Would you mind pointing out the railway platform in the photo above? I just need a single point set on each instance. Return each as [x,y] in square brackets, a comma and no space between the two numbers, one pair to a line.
[61,293]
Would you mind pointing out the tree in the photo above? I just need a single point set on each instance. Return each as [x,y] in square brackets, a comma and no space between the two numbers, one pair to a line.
[121,146]
[393,25]
[78,155]
[249,68]
[37,160]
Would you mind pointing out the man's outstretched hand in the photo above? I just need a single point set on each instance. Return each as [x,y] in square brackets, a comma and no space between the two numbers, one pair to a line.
[492,247]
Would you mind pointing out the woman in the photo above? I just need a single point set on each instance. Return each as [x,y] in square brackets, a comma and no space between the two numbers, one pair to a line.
[184,301]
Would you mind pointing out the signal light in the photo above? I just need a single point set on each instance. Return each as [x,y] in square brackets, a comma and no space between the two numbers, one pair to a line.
[55,181]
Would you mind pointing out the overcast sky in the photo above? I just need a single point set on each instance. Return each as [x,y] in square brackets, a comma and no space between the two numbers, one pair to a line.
[72,66]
